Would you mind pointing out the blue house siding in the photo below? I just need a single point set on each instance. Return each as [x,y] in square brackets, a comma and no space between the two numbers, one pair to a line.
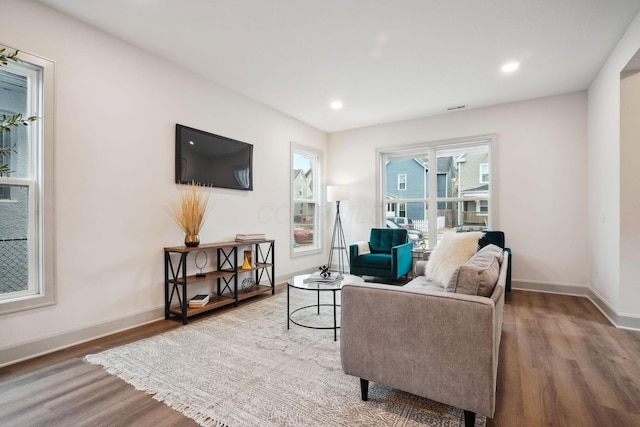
[416,177]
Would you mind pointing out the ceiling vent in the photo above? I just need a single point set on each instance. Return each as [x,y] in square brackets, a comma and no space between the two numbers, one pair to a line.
[457,107]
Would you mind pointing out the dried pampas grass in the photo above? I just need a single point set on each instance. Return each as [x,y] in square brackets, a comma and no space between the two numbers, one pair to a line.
[189,210]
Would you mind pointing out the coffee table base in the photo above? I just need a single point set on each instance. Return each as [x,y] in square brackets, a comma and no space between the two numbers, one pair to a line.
[299,282]
[335,326]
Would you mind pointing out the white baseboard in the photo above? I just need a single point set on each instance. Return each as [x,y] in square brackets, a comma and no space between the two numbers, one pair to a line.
[618,320]
[41,346]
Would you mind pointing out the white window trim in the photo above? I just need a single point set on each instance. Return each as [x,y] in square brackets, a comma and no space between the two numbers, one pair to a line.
[41,192]
[317,247]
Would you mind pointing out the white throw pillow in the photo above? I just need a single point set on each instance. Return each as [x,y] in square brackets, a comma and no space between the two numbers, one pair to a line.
[453,250]
[363,248]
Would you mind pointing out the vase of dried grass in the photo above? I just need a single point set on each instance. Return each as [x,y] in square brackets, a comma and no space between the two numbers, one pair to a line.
[191,240]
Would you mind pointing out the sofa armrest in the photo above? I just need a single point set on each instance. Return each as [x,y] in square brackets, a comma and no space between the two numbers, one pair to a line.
[508,279]
[353,251]
[401,258]
[438,345]
[420,268]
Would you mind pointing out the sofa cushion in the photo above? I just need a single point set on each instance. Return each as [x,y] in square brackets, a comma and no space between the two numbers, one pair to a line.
[452,251]
[478,276]
[421,282]
[377,261]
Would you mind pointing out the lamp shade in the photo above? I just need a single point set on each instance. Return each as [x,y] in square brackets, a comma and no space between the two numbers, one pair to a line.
[337,193]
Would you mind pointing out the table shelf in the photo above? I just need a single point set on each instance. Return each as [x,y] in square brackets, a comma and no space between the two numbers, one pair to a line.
[224,279]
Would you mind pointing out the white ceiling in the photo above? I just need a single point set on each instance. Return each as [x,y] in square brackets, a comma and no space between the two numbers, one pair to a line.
[385,60]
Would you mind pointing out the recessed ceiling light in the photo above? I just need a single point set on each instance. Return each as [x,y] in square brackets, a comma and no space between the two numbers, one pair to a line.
[510,67]
[336,105]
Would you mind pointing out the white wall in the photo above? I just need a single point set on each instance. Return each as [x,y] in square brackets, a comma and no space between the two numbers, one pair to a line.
[629,197]
[116,110]
[612,250]
[541,161]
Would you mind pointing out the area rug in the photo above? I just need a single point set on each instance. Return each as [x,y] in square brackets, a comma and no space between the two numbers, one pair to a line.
[244,368]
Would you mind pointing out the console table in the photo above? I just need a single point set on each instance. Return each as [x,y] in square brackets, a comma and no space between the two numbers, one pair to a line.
[223,280]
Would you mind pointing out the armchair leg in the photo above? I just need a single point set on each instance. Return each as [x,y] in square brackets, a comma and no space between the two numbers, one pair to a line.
[469,419]
[364,389]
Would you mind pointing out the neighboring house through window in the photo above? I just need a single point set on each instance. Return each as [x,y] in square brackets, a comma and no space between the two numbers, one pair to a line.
[306,170]
[402,181]
[26,189]
[484,173]
[5,159]
[402,212]
[441,188]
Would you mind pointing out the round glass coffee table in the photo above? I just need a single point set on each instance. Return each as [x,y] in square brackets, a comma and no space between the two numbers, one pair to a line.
[299,282]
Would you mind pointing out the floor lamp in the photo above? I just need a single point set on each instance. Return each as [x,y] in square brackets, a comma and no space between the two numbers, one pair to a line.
[338,193]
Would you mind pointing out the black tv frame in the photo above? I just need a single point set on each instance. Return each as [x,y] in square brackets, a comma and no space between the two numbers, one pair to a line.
[209,137]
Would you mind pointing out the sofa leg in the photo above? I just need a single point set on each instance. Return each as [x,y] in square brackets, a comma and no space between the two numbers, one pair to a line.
[469,419]
[364,389]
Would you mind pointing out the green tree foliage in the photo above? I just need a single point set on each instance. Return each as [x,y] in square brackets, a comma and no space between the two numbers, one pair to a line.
[15,120]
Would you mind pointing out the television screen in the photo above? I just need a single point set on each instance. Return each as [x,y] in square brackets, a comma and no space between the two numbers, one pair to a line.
[212,160]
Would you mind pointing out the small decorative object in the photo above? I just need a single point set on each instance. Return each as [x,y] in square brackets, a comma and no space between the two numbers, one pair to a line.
[189,212]
[201,258]
[324,271]
[248,285]
[248,263]
[324,275]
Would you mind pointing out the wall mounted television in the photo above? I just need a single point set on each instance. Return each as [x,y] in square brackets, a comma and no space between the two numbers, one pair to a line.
[212,160]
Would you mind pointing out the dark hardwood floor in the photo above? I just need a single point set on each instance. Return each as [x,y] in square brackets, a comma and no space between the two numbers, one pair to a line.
[561,364]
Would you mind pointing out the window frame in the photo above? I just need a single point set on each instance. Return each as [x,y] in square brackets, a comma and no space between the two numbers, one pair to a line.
[385,154]
[41,238]
[317,199]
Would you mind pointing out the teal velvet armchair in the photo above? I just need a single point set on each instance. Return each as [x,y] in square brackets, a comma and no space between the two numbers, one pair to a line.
[387,254]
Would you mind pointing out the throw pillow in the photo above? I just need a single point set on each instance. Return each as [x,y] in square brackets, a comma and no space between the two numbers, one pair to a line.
[453,250]
[363,248]
[494,250]
[478,276]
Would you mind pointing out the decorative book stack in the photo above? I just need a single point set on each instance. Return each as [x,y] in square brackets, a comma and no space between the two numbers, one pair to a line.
[249,237]
[329,278]
[199,301]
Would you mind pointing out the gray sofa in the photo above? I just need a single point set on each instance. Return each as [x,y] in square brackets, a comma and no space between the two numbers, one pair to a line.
[424,340]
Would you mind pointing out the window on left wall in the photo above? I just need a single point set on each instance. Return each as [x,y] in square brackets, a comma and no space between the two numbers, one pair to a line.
[306,176]
[26,184]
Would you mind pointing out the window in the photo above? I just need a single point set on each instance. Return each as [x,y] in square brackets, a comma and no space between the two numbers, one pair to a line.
[402,181]
[306,169]
[446,179]
[391,209]
[26,185]
[484,173]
